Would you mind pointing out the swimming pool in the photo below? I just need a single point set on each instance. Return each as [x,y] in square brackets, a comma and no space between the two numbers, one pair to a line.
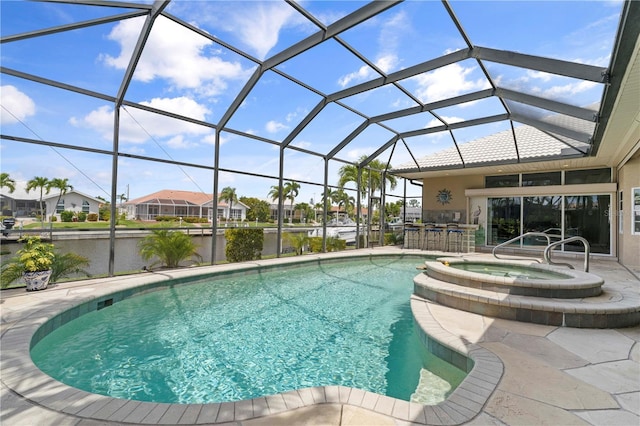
[259,334]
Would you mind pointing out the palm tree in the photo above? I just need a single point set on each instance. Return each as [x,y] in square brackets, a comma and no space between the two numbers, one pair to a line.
[305,210]
[349,173]
[42,183]
[342,198]
[170,247]
[275,193]
[61,184]
[7,182]
[229,195]
[291,190]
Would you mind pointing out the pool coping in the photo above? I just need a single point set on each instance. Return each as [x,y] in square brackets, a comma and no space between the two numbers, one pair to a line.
[22,376]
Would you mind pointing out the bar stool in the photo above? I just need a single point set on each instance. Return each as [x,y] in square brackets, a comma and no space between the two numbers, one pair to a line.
[432,237]
[454,237]
[411,237]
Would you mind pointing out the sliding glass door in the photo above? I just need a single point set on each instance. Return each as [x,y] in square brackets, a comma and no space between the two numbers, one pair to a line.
[542,214]
[587,216]
[560,217]
[504,219]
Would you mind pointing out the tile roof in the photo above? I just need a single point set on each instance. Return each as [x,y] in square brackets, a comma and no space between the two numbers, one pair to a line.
[500,148]
[168,196]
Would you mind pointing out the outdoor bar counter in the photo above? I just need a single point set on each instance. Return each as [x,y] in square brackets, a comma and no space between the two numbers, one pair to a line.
[447,237]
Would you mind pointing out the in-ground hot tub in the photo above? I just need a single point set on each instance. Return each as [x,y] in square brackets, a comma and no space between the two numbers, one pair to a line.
[518,278]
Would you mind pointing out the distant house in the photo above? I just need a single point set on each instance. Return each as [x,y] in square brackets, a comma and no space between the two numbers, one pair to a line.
[176,203]
[27,204]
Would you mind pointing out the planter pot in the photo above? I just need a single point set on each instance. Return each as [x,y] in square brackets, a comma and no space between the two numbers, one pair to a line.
[37,280]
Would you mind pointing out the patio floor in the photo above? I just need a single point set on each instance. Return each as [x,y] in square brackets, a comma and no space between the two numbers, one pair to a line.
[550,375]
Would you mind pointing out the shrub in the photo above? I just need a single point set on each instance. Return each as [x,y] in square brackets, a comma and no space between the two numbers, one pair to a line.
[66,216]
[335,244]
[391,238]
[92,217]
[170,247]
[82,216]
[298,240]
[244,244]
[315,244]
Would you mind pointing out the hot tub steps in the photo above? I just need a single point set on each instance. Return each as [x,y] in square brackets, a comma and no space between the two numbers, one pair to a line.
[607,310]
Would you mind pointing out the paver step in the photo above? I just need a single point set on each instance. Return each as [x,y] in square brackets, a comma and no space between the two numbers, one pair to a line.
[607,310]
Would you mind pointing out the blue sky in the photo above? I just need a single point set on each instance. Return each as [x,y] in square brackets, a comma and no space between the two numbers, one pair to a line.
[183,72]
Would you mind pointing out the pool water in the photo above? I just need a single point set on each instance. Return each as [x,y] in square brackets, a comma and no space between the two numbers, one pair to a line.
[243,337]
[512,271]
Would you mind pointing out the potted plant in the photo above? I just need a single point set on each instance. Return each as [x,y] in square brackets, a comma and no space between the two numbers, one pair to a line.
[33,262]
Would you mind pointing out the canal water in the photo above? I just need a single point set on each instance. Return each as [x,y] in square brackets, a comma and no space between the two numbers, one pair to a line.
[95,246]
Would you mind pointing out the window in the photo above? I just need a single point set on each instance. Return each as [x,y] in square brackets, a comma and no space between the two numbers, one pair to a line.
[60,206]
[501,181]
[541,179]
[635,213]
[85,206]
[576,177]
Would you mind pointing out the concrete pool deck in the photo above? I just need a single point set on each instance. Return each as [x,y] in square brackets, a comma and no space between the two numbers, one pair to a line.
[547,374]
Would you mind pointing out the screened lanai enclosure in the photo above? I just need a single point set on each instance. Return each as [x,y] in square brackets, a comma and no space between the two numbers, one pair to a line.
[126,99]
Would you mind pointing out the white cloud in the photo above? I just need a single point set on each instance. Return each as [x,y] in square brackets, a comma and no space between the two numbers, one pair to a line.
[144,124]
[260,28]
[447,82]
[274,127]
[16,105]
[178,142]
[539,75]
[571,89]
[450,120]
[302,144]
[361,74]
[211,139]
[174,53]
[257,26]
[387,62]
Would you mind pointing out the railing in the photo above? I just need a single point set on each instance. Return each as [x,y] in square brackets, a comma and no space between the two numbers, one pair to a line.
[587,252]
[546,256]
[520,237]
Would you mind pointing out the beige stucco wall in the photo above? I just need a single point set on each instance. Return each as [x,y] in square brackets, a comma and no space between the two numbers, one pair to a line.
[432,210]
[628,244]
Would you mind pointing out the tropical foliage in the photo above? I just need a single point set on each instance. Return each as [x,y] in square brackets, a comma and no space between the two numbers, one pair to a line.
[229,195]
[61,185]
[37,255]
[289,191]
[169,247]
[41,183]
[371,179]
[7,182]
[298,240]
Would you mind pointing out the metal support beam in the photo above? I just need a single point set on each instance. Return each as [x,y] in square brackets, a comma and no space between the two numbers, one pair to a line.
[539,63]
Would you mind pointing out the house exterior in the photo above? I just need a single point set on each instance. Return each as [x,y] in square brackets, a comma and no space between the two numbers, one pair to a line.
[25,204]
[176,203]
[74,201]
